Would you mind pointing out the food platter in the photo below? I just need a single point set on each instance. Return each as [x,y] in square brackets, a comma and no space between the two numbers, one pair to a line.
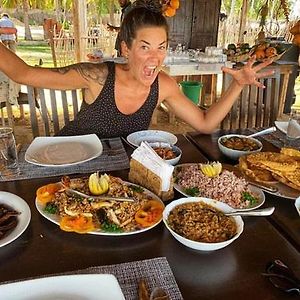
[82,286]
[151,136]
[255,191]
[146,194]
[275,172]
[59,151]
[19,205]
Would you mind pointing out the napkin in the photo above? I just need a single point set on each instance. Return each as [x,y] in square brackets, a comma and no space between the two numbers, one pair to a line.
[151,171]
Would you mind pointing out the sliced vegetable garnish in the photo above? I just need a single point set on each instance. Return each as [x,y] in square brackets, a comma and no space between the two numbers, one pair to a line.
[193,191]
[79,224]
[248,197]
[110,227]
[51,208]
[46,193]
[149,214]
[136,188]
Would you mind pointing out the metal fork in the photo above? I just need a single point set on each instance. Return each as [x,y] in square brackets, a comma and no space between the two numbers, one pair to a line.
[111,198]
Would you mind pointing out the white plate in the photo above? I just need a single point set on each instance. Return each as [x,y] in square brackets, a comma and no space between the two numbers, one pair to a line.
[61,151]
[255,190]
[282,126]
[18,204]
[56,219]
[151,136]
[66,287]
[297,205]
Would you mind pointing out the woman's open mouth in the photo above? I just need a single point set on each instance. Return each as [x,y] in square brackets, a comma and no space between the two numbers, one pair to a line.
[149,71]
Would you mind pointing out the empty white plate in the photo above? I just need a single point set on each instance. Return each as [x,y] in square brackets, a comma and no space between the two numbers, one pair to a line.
[63,150]
[66,287]
[151,136]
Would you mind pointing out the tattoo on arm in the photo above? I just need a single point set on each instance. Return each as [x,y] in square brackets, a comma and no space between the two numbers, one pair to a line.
[89,71]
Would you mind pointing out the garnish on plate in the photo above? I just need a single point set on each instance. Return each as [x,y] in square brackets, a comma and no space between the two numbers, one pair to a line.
[192,191]
[211,169]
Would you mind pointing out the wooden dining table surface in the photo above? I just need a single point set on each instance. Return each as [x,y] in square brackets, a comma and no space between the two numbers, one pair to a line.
[285,218]
[233,272]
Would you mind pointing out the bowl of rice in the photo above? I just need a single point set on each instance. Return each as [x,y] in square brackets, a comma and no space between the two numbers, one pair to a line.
[236,145]
[200,223]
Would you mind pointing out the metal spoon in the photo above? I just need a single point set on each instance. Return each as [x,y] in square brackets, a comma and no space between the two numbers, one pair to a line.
[77,193]
[258,212]
[262,132]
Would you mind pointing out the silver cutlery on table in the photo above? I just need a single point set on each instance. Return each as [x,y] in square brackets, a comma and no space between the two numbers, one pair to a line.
[111,198]
[262,132]
[272,189]
[127,143]
[257,212]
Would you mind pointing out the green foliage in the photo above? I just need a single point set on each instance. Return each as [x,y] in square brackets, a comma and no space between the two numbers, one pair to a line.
[32,52]
[254,8]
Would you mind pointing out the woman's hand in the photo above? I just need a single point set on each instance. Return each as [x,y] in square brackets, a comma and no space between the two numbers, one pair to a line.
[249,73]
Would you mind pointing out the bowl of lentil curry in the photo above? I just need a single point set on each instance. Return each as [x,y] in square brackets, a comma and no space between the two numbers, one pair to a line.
[200,223]
[236,145]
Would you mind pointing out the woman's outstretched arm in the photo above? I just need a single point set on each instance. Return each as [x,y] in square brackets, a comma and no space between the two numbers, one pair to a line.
[207,121]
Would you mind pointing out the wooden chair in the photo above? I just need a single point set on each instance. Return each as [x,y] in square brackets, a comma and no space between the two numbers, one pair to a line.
[57,108]
[255,107]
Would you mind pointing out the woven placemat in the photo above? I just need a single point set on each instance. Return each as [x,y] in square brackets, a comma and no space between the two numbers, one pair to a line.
[113,157]
[156,272]
[277,138]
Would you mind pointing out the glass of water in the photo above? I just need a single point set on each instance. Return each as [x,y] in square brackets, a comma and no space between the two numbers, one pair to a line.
[293,130]
[8,153]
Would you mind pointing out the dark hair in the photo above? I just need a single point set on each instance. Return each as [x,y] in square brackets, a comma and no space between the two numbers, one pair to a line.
[142,14]
[5,15]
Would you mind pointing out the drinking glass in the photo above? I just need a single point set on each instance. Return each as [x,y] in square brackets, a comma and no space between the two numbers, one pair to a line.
[293,130]
[8,153]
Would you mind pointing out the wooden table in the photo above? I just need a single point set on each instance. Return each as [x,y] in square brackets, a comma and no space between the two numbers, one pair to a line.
[189,69]
[285,218]
[230,273]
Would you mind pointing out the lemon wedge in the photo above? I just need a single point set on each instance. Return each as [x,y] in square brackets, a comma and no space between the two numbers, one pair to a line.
[98,184]
[211,169]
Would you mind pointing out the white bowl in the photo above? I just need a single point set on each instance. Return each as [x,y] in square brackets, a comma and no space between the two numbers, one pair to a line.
[236,154]
[201,245]
[174,148]
[297,205]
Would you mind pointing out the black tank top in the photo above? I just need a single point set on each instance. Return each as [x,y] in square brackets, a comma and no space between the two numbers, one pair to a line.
[103,118]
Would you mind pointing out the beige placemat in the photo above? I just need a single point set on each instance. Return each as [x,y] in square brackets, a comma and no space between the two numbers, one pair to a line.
[113,157]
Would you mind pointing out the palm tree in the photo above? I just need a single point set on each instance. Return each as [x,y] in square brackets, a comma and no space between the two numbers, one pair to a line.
[28,36]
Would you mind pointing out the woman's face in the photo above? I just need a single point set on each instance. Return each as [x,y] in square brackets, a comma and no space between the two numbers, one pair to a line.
[147,53]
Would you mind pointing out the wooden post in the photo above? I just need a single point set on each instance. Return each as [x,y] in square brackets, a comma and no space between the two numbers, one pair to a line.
[243,20]
[80,26]
[51,41]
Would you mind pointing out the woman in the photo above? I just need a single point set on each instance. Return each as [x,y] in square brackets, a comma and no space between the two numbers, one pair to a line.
[121,98]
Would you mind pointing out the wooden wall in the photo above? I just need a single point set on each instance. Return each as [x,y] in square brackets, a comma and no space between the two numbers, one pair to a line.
[195,23]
